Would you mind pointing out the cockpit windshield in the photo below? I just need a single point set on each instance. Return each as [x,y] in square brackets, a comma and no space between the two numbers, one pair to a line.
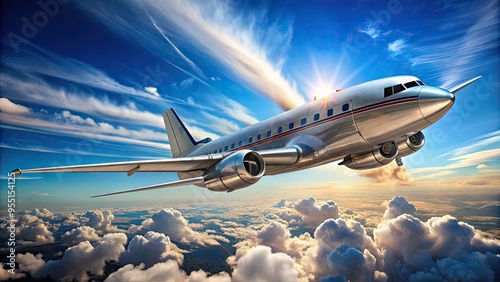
[388,91]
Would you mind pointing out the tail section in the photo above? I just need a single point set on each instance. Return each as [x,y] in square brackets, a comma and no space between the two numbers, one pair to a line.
[181,141]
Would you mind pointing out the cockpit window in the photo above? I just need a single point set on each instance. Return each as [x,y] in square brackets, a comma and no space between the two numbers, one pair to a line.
[398,88]
[388,91]
[411,84]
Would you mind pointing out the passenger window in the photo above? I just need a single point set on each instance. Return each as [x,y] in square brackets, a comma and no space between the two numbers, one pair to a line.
[232,146]
[269,133]
[345,107]
[316,117]
[280,129]
[387,91]
[398,88]
[220,150]
[329,112]
[226,148]
[215,152]
[250,140]
[240,143]
[290,126]
[411,84]
[259,136]
[303,121]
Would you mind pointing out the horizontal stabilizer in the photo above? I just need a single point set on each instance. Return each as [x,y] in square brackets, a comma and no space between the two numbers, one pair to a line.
[196,180]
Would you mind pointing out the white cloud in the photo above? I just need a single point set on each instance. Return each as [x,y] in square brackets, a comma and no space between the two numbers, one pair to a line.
[453,57]
[467,160]
[313,213]
[149,249]
[100,220]
[481,166]
[260,264]
[398,206]
[38,61]
[152,90]
[165,271]
[274,235]
[396,47]
[354,263]
[371,28]
[6,275]
[80,234]
[173,224]
[186,83]
[233,41]
[33,231]
[77,261]
[12,108]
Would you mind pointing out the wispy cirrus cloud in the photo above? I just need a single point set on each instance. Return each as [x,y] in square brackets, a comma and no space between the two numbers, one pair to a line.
[462,161]
[457,56]
[35,60]
[371,28]
[396,47]
[212,28]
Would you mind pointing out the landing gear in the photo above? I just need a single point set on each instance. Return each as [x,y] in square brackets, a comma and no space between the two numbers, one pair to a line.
[399,161]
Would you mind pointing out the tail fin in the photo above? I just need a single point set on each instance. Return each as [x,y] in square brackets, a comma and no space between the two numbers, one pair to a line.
[181,141]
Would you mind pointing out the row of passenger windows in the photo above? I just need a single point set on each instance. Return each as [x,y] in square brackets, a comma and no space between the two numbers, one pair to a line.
[388,91]
[316,117]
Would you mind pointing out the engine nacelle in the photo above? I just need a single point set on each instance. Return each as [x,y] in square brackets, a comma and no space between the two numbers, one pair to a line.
[376,158]
[236,171]
[410,144]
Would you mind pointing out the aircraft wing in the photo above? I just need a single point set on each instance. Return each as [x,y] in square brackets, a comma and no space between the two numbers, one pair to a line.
[162,165]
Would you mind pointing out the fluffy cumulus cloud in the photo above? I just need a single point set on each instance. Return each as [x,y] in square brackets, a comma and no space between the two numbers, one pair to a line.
[173,224]
[440,249]
[10,107]
[314,212]
[77,262]
[149,249]
[32,231]
[164,271]
[80,234]
[398,206]
[260,264]
[100,220]
[274,235]
[401,247]
[354,263]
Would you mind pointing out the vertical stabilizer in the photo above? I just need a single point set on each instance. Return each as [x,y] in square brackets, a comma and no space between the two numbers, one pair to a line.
[181,141]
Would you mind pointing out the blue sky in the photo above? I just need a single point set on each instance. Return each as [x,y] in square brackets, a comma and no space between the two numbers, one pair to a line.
[87,82]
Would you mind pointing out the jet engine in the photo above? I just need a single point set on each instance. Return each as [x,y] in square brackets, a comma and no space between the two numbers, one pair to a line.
[410,144]
[376,158]
[236,171]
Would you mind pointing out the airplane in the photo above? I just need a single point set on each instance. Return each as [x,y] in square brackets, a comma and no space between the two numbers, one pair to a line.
[366,126]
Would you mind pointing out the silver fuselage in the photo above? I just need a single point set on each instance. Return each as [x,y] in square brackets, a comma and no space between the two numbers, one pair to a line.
[362,120]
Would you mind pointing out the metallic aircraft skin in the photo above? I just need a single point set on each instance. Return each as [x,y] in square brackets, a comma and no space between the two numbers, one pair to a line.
[367,125]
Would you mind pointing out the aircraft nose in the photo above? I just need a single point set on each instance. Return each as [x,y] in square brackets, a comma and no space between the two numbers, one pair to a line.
[434,102]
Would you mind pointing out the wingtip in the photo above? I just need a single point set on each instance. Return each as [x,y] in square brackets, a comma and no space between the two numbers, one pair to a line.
[16,172]
[464,84]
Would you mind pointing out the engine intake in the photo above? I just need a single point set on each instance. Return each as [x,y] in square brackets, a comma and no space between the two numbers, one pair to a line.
[236,171]
[376,158]
[411,144]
